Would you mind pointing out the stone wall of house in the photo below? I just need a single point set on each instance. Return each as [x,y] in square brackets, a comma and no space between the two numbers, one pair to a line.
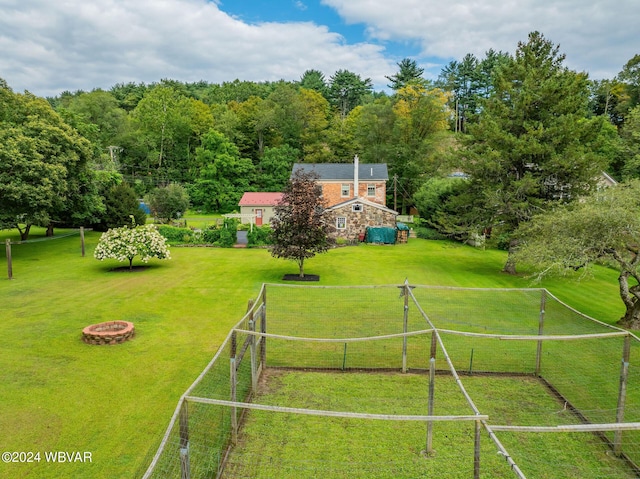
[357,221]
[332,192]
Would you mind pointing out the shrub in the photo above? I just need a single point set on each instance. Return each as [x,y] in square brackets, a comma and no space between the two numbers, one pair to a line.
[211,235]
[228,237]
[259,236]
[176,235]
[429,233]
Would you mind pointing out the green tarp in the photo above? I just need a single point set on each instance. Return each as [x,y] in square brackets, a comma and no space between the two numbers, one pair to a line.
[380,234]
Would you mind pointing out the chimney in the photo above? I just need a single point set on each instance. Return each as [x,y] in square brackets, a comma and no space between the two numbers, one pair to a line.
[356,186]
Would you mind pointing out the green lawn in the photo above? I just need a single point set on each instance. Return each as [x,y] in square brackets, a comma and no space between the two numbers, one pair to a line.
[298,446]
[59,394]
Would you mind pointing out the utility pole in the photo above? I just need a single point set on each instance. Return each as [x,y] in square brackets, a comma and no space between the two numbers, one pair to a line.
[395,192]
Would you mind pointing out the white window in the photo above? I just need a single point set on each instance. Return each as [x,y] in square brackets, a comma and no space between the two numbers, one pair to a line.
[356,207]
[345,190]
[341,222]
[371,190]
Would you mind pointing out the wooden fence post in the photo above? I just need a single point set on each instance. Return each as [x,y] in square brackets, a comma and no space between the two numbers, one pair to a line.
[185,466]
[405,325]
[263,329]
[9,263]
[543,305]
[82,240]
[233,385]
[432,390]
[622,393]
[476,452]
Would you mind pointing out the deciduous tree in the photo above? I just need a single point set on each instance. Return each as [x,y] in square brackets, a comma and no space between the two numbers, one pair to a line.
[44,166]
[601,227]
[298,228]
[127,242]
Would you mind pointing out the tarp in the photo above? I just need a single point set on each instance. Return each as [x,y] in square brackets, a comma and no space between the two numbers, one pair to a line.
[380,234]
[402,227]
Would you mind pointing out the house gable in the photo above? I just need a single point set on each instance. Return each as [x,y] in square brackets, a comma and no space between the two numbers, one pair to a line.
[339,181]
[351,218]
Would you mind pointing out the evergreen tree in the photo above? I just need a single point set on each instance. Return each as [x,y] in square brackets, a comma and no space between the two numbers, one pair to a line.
[532,147]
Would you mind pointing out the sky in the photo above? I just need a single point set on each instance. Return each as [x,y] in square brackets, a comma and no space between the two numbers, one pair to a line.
[51,46]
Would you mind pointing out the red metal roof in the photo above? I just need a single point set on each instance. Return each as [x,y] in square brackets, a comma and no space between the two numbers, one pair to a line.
[260,199]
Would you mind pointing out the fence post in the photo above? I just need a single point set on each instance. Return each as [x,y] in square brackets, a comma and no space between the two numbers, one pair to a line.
[9,263]
[263,329]
[405,324]
[234,382]
[185,466]
[82,240]
[476,452]
[432,390]
[622,394]
[543,305]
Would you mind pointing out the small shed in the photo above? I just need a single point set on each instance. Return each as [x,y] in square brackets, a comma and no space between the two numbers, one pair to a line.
[258,208]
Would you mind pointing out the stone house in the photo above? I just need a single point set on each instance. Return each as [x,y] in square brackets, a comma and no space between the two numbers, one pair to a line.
[343,181]
[350,219]
[355,196]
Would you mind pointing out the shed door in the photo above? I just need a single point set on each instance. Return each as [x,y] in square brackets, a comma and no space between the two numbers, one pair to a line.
[258,217]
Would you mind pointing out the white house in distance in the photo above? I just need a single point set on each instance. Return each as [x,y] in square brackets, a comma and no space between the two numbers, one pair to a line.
[258,207]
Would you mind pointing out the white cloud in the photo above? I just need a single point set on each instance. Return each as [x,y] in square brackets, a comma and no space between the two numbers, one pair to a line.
[598,36]
[54,46]
[50,46]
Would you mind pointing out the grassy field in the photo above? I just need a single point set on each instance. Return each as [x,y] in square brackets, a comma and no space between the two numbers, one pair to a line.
[296,446]
[59,394]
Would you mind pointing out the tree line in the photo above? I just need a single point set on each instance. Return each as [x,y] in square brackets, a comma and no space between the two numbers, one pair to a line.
[501,120]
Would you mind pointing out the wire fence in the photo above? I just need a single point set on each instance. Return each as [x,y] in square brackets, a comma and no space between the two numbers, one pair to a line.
[410,381]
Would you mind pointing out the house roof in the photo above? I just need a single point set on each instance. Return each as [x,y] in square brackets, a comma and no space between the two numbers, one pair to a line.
[260,199]
[344,171]
[362,201]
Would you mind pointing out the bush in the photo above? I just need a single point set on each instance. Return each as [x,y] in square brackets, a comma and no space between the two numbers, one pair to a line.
[429,233]
[211,235]
[225,236]
[259,236]
[176,235]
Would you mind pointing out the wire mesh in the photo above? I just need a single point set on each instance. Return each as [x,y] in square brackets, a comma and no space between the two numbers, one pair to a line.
[336,382]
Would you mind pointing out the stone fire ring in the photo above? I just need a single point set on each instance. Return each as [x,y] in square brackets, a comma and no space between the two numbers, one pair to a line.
[111,332]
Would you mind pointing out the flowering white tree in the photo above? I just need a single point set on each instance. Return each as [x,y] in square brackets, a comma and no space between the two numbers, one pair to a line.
[128,242]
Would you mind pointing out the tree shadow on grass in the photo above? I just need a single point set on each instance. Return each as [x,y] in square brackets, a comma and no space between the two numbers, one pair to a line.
[296,277]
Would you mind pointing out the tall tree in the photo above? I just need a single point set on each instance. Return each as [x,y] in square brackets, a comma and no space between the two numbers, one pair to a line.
[409,74]
[314,80]
[533,146]
[346,91]
[298,229]
[44,166]
[630,137]
[601,227]
[224,176]
[630,77]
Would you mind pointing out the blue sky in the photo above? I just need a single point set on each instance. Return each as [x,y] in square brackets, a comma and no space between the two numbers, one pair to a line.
[52,46]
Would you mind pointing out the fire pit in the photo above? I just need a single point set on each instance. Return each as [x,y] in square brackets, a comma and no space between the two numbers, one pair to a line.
[111,332]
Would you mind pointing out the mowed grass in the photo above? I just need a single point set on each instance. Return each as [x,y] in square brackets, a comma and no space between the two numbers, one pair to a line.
[59,394]
[288,446]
